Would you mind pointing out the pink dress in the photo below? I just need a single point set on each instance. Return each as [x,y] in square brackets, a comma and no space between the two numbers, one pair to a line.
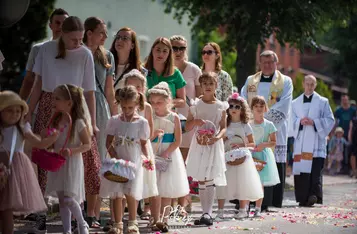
[22,193]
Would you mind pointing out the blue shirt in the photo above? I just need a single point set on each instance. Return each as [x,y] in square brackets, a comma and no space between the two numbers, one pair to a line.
[343,118]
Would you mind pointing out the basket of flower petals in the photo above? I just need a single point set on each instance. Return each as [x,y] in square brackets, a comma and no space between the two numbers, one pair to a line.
[237,156]
[205,133]
[118,170]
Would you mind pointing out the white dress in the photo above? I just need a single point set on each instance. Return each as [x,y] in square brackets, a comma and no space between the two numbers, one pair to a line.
[172,183]
[207,162]
[70,177]
[150,181]
[243,181]
[136,131]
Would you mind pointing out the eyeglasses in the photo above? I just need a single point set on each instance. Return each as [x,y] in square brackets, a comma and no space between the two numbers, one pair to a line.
[208,52]
[237,107]
[123,38]
[178,48]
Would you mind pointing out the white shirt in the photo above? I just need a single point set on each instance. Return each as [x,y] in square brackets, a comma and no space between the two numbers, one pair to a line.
[77,68]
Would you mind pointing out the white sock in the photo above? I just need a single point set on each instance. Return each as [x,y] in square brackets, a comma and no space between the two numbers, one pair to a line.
[76,210]
[210,193]
[66,218]
[202,194]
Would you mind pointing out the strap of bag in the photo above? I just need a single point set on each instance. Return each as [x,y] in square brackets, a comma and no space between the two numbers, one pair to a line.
[121,76]
[100,86]
[13,143]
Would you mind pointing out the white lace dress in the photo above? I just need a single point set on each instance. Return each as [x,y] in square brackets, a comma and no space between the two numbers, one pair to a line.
[207,162]
[173,182]
[131,151]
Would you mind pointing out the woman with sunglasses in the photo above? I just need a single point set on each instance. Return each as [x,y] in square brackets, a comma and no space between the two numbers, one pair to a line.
[126,53]
[212,62]
[190,72]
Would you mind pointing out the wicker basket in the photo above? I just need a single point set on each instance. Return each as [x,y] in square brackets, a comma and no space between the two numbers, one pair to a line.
[238,161]
[205,133]
[115,178]
[259,164]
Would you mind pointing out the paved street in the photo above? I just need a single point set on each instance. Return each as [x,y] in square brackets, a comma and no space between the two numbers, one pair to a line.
[337,215]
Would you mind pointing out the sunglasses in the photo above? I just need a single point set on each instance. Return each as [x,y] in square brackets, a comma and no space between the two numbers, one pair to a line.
[177,48]
[208,52]
[123,38]
[237,107]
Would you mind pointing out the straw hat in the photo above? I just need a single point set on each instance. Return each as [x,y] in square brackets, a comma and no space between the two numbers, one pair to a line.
[9,98]
[339,129]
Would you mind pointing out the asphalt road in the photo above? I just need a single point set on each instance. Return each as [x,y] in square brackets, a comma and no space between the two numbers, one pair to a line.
[337,215]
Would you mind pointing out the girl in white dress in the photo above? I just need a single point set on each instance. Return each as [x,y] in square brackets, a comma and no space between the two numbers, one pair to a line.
[138,80]
[68,182]
[127,136]
[206,163]
[166,141]
[243,181]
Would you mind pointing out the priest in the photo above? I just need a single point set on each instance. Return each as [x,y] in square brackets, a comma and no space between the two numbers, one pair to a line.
[312,122]
[277,90]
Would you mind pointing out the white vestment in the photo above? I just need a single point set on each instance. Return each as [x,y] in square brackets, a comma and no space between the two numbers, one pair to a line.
[278,113]
[310,141]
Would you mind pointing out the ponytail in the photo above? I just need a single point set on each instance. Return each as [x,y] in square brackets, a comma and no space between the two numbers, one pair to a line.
[141,101]
[61,49]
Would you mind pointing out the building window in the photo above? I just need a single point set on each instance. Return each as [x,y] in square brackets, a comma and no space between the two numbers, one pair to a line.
[282,50]
[143,46]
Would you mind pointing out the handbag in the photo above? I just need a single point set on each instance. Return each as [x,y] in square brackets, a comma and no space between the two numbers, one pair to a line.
[161,163]
[6,160]
[51,161]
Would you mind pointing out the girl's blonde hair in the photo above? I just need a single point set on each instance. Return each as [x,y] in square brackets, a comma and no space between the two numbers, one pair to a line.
[79,106]
[259,100]
[135,74]
[100,53]
[245,113]
[169,68]
[129,93]
[161,89]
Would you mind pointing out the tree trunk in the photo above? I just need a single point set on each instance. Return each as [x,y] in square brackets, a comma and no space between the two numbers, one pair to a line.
[245,63]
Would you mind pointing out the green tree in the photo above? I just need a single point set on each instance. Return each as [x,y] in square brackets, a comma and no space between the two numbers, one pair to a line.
[17,40]
[249,23]
[343,38]
[321,88]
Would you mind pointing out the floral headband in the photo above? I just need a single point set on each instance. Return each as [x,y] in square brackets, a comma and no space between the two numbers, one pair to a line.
[236,96]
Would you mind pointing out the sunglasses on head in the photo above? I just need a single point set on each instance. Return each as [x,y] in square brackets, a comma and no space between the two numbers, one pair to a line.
[123,38]
[208,52]
[237,107]
[178,48]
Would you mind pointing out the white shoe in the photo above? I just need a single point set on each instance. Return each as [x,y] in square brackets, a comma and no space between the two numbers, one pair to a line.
[220,215]
[241,214]
[257,213]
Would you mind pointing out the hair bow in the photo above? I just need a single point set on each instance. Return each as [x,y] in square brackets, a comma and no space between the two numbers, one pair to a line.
[235,96]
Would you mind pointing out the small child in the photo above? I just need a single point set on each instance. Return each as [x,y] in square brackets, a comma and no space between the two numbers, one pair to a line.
[138,80]
[206,163]
[19,188]
[264,133]
[68,182]
[127,136]
[166,139]
[335,147]
[243,182]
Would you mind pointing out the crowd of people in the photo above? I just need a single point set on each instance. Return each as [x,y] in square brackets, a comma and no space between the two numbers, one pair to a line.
[133,131]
